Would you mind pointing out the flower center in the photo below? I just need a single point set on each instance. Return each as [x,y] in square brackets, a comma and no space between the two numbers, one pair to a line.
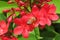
[31,20]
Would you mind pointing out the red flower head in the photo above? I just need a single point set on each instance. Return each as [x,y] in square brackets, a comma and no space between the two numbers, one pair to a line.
[3,27]
[23,26]
[38,16]
[45,14]
[49,13]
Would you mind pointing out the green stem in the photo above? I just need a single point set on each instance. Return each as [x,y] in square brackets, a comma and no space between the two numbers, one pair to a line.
[55,32]
[37,33]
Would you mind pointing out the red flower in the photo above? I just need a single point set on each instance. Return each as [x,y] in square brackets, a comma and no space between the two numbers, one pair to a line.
[49,13]
[38,16]
[3,27]
[23,27]
[45,14]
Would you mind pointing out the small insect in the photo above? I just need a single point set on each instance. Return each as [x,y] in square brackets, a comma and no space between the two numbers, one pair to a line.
[31,20]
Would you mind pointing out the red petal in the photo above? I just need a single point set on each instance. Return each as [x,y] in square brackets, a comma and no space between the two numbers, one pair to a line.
[25,34]
[48,22]
[3,27]
[17,21]
[52,9]
[43,12]
[1,31]
[42,21]
[9,19]
[3,24]
[35,11]
[18,30]
[54,17]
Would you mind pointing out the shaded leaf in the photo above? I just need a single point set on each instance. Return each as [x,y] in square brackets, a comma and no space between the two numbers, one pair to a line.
[2,17]
[57,37]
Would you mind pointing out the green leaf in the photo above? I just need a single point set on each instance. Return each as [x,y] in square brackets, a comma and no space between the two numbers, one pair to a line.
[47,35]
[58,21]
[4,5]
[51,29]
[17,13]
[32,1]
[31,37]
[2,17]
[29,8]
[4,0]
[57,37]
[37,32]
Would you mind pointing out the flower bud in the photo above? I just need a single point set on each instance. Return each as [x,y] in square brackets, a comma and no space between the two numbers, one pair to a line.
[5,10]
[10,2]
[21,3]
[17,9]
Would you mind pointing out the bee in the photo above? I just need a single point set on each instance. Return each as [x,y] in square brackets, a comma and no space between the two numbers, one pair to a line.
[31,20]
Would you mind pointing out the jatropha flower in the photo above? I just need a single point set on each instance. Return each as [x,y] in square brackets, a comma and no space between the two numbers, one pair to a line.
[49,13]
[28,20]
[42,16]
[3,27]
[24,25]
[45,15]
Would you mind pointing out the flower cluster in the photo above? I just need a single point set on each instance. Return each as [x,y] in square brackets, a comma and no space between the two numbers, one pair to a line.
[8,38]
[41,14]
